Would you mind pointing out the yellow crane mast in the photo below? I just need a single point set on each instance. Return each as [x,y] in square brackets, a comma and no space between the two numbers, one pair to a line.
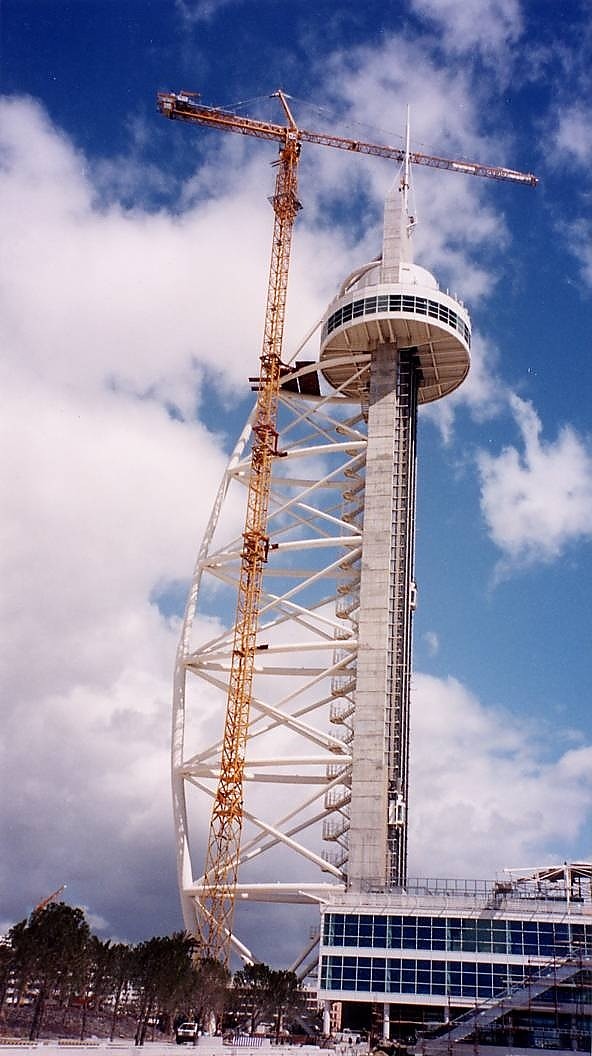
[221,868]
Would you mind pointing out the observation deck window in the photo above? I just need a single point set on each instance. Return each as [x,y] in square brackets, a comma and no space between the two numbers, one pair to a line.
[394,302]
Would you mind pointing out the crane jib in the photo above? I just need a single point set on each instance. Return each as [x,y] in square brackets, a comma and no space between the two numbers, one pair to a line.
[183,107]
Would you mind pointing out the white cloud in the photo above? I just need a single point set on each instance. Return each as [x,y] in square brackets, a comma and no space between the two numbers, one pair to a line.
[432,641]
[538,500]
[110,319]
[573,136]
[482,392]
[480,788]
[578,236]
[491,26]
[195,11]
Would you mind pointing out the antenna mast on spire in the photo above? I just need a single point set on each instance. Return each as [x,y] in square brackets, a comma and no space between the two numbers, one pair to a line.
[405,184]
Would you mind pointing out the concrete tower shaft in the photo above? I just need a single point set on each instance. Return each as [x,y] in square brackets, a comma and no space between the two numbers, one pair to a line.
[411,342]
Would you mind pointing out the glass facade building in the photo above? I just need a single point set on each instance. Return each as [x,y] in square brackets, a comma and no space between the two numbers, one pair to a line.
[437,955]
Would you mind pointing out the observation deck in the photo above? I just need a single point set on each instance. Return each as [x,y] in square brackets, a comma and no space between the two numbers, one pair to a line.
[411,313]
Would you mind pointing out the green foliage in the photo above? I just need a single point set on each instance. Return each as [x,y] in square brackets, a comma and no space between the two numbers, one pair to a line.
[49,948]
[212,982]
[165,974]
[53,957]
[260,990]
[285,996]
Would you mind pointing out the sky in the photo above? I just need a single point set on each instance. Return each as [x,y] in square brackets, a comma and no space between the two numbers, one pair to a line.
[132,284]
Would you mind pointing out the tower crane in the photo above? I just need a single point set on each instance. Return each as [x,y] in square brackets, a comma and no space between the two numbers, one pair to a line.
[220,877]
[49,898]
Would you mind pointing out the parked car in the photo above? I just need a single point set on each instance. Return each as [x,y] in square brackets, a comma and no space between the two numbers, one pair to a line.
[186,1032]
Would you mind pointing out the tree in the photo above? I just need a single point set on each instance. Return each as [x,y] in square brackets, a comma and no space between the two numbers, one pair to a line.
[6,970]
[252,992]
[121,972]
[96,977]
[285,996]
[165,974]
[260,990]
[49,951]
[212,981]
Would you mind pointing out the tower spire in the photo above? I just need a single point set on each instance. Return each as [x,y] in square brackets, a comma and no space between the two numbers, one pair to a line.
[398,221]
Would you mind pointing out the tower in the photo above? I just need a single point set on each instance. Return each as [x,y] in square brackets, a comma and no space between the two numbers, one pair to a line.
[417,339]
[328,738]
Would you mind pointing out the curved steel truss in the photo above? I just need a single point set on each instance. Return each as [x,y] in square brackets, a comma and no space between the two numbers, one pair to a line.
[298,755]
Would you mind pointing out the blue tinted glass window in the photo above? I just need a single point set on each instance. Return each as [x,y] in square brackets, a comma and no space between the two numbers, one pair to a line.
[454,978]
[469,980]
[484,987]
[370,305]
[394,933]
[530,937]
[454,934]
[358,308]
[546,940]
[347,312]
[379,931]
[351,928]
[409,933]
[469,935]
[365,931]
[395,303]
[379,983]
[424,933]
[561,938]
[382,304]
[483,936]
[499,978]
[421,305]
[393,977]
[515,929]
[498,936]
[439,977]
[438,935]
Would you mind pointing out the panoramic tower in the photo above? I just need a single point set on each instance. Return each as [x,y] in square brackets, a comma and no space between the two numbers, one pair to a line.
[330,707]
[293,721]
[417,339]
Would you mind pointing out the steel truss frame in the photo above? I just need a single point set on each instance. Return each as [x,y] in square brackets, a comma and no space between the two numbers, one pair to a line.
[297,768]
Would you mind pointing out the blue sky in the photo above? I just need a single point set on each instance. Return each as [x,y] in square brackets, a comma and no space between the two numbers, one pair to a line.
[133,286]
